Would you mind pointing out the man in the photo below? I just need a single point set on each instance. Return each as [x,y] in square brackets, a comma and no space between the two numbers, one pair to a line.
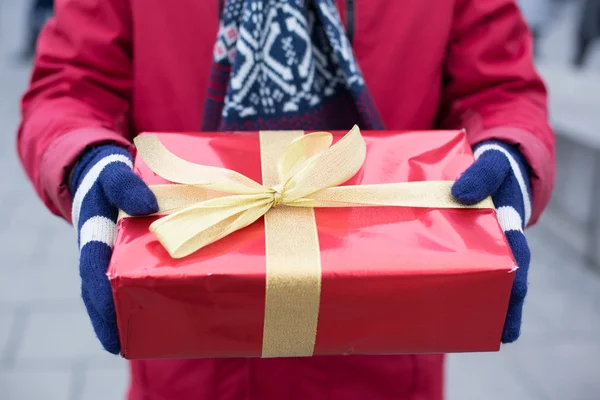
[109,69]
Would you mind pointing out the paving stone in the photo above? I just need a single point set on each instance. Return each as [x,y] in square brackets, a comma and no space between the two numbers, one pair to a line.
[60,249]
[482,376]
[28,385]
[52,246]
[567,313]
[30,285]
[7,320]
[563,368]
[566,295]
[102,384]
[59,335]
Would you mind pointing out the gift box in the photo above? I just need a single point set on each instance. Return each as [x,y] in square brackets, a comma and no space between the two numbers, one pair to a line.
[290,248]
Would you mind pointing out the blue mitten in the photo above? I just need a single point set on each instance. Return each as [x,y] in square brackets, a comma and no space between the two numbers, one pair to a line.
[103,182]
[500,171]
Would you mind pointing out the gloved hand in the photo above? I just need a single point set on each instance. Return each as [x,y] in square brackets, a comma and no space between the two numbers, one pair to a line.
[103,182]
[500,171]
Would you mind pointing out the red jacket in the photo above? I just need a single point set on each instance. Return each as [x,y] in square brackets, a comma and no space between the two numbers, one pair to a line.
[108,69]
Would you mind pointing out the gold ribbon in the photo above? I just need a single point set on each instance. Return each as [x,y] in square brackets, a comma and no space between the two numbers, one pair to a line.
[300,172]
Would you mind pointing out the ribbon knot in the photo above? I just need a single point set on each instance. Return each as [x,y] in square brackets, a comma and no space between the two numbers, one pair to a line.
[277,196]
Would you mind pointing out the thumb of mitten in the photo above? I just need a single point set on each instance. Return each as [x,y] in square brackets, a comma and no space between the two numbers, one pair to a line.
[482,179]
[128,192]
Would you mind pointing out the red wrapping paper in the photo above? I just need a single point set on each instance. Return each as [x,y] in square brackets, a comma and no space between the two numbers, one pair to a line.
[394,280]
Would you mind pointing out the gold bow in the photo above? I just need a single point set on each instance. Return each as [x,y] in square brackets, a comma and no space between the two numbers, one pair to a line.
[299,172]
[213,202]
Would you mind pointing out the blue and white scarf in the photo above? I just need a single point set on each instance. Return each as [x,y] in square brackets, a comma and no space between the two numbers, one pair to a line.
[285,65]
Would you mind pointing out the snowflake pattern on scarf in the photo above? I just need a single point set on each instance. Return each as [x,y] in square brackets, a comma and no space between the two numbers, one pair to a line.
[276,58]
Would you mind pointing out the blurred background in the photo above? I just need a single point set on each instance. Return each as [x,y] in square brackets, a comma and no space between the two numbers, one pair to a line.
[47,347]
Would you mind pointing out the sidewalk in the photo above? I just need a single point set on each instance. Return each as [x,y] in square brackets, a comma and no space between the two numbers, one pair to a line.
[48,350]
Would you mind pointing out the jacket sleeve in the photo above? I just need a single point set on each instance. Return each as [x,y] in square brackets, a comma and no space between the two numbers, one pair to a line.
[493,90]
[79,93]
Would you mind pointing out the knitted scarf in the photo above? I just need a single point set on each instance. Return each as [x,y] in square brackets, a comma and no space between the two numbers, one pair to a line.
[285,64]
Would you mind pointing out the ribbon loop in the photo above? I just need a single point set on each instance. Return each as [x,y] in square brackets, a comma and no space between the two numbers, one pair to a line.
[327,166]
[300,151]
[177,170]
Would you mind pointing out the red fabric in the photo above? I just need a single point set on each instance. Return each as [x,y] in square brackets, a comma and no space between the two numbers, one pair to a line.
[428,64]
[331,378]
